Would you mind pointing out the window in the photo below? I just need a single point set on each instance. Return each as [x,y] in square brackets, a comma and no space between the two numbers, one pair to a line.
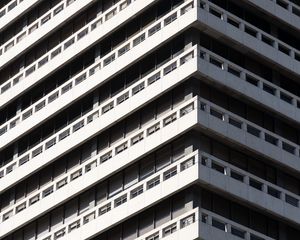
[20,207]
[34,199]
[130,176]
[43,225]
[71,209]
[74,225]
[187,221]
[153,182]
[169,230]
[137,138]
[147,167]
[187,164]
[90,166]
[76,174]
[48,191]
[170,173]
[137,191]
[121,148]
[88,218]
[154,236]
[59,234]
[86,201]
[104,209]
[146,222]
[119,201]
[101,193]
[115,185]
[105,157]
[7,215]
[163,157]
[162,213]
[130,229]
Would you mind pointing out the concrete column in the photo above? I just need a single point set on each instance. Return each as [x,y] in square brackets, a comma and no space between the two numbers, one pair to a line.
[243,75]
[224,17]
[275,45]
[264,188]
[262,135]
[292,54]
[247,236]
[259,36]
[227,171]
[226,117]
[246,180]
[260,84]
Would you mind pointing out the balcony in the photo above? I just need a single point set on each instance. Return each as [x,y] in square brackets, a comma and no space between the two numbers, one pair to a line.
[249,135]
[90,72]
[154,194]
[107,155]
[144,85]
[8,7]
[248,187]
[285,10]
[248,36]
[90,128]
[173,177]
[37,24]
[81,34]
[212,224]
[246,83]
[183,227]
[13,9]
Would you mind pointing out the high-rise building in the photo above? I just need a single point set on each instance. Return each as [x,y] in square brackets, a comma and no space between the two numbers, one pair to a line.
[150,119]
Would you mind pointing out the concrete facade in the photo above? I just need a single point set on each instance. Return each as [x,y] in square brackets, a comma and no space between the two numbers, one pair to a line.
[149,119]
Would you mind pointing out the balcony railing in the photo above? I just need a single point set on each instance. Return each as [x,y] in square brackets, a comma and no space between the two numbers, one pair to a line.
[103,156]
[249,77]
[134,191]
[99,64]
[230,227]
[35,25]
[172,226]
[10,6]
[122,198]
[74,38]
[249,179]
[249,127]
[289,6]
[102,109]
[249,29]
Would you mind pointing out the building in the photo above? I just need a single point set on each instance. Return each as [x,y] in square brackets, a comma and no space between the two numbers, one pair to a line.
[150,119]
